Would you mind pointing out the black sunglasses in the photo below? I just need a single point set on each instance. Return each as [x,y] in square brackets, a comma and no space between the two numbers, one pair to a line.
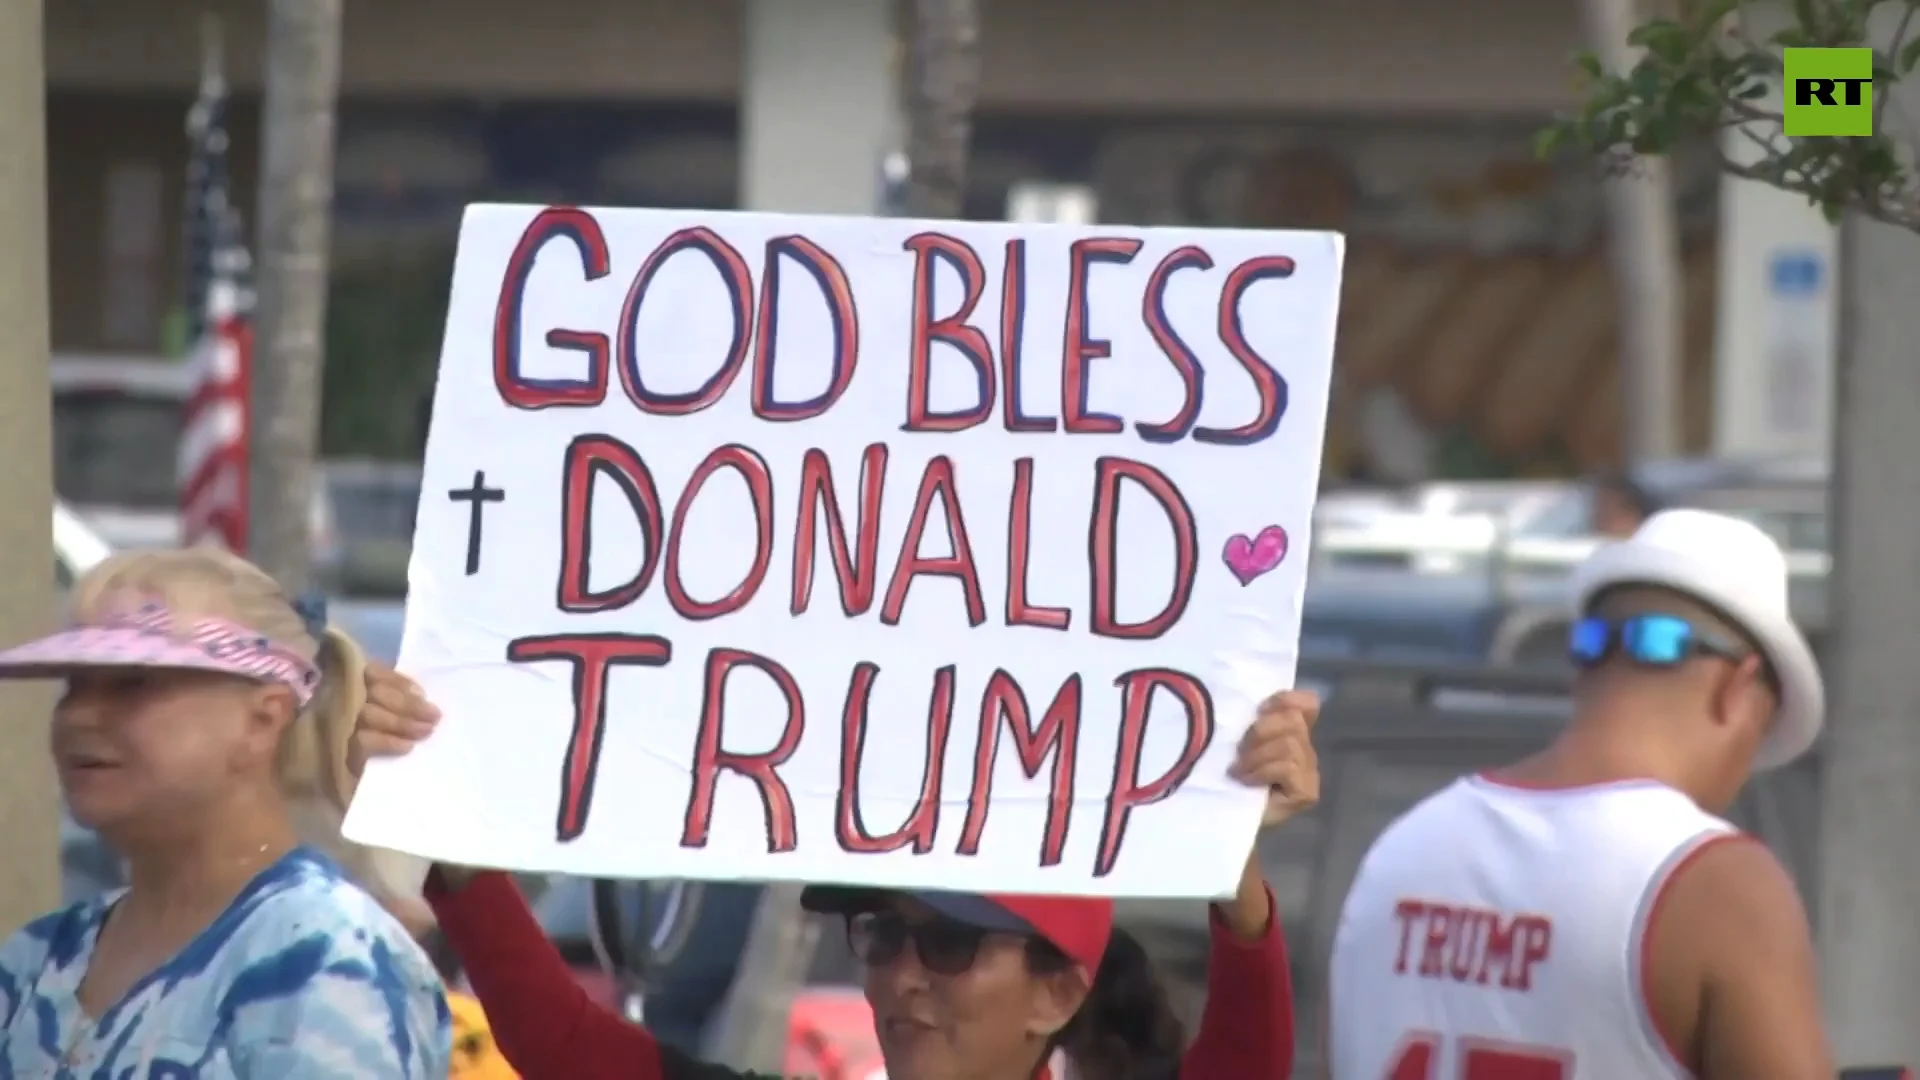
[944,946]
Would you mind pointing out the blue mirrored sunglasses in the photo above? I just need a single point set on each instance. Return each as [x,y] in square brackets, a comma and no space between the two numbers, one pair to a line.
[1652,640]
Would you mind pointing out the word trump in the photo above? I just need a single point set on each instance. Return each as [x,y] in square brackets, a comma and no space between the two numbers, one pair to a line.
[1829,92]
[996,368]
[592,656]
[1471,945]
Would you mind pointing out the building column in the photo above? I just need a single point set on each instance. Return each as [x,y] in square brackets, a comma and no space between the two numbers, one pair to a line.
[1774,339]
[817,105]
[29,801]
[817,108]
[1774,334]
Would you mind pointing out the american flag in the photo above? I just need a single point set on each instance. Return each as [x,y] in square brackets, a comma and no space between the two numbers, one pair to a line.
[218,309]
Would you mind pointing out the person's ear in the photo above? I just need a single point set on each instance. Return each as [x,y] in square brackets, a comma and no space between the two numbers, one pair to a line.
[1741,691]
[1761,689]
[272,712]
[1057,996]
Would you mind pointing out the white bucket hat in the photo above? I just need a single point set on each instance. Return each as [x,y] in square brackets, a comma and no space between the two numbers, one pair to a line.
[1737,569]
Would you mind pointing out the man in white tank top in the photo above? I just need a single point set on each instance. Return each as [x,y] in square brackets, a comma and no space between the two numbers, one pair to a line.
[1585,914]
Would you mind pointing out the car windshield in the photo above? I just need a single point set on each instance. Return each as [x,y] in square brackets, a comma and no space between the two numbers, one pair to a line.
[1795,531]
[112,448]
[1796,521]
[1566,516]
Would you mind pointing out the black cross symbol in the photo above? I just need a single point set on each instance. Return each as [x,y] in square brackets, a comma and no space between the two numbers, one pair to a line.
[479,495]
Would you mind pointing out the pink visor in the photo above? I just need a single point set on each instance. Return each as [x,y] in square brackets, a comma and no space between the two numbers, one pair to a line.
[153,637]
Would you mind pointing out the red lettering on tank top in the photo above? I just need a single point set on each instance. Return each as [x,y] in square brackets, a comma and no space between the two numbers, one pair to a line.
[1471,945]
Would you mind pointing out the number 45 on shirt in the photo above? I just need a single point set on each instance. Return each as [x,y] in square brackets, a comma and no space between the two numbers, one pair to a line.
[1426,1056]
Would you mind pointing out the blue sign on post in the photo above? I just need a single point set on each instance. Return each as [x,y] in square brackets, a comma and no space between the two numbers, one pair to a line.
[1795,273]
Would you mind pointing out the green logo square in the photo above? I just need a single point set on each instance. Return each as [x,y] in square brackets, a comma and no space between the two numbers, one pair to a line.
[1829,92]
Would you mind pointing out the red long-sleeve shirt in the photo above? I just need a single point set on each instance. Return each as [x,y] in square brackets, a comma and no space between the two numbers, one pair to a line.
[550,1029]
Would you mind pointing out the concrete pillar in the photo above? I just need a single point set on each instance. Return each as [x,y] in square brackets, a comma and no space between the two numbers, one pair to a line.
[818,105]
[29,802]
[1869,883]
[1870,785]
[1774,339]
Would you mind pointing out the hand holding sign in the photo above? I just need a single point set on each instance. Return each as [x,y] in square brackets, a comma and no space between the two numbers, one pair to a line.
[395,715]
[1277,754]
[868,551]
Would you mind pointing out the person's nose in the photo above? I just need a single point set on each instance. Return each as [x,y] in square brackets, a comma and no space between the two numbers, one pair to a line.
[76,711]
[905,973]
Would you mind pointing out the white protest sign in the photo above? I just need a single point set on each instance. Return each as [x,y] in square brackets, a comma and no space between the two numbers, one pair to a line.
[905,553]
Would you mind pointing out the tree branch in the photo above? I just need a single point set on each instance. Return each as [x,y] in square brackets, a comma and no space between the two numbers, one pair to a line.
[1772,170]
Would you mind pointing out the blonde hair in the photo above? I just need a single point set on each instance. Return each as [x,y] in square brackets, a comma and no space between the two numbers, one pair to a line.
[207,582]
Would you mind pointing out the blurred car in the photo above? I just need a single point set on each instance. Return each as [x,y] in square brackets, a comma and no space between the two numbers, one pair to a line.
[1355,507]
[1414,580]
[116,435]
[1438,528]
[1398,615]
[375,624]
[370,507]
[77,548]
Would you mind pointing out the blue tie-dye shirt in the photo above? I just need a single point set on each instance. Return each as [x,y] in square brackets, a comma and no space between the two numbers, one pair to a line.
[303,977]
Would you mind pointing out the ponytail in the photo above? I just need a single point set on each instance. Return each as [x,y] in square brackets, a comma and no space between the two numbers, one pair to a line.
[1126,1029]
[313,754]
[313,772]
[331,716]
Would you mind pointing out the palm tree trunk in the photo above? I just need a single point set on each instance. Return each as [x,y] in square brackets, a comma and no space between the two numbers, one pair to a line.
[296,206]
[943,86]
[752,1030]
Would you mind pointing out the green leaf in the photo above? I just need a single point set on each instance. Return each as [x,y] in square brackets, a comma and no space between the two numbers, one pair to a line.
[1657,136]
[1646,83]
[1663,39]
[1909,56]
[1549,141]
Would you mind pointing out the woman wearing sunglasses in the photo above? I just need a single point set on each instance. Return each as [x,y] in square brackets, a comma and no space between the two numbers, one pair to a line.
[962,986]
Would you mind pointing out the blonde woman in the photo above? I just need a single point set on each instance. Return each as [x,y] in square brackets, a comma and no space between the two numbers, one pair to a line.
[195,691]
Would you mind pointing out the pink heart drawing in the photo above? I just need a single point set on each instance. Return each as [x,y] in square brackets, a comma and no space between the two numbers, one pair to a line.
[1248,559]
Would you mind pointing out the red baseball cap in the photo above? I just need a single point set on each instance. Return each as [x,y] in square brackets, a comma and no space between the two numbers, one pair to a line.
[1079,926]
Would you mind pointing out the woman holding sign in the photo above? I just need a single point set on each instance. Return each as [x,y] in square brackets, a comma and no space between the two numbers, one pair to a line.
[963,986]
[200,704]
